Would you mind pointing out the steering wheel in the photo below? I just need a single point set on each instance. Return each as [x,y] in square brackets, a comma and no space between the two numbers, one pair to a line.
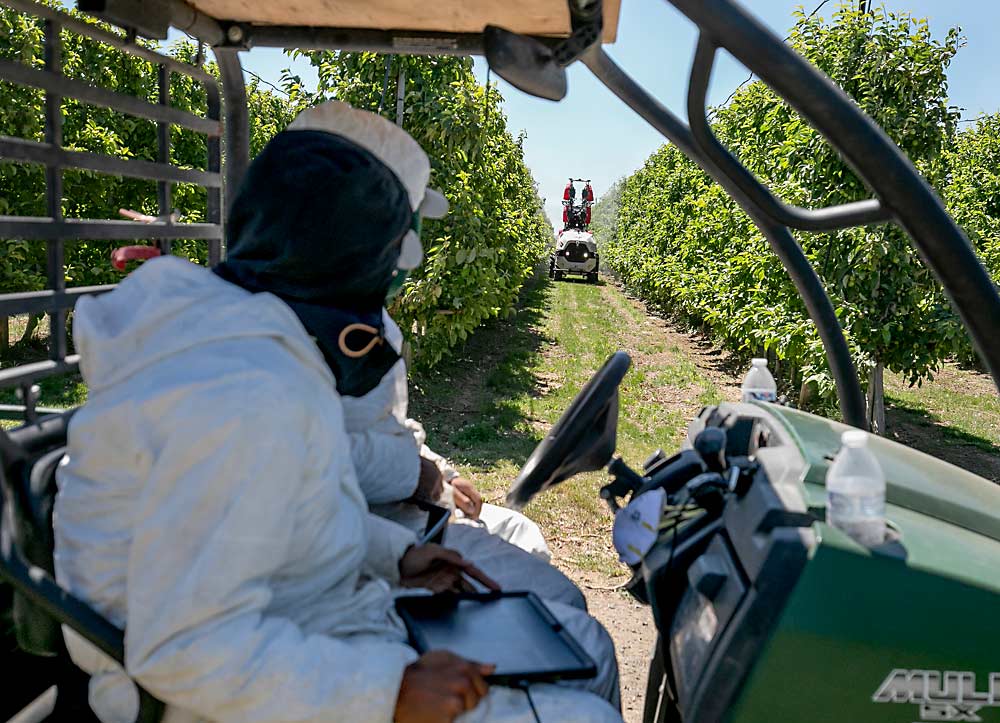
[583,440]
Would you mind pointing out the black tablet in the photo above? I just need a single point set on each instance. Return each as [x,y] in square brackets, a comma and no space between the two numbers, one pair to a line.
[512,630]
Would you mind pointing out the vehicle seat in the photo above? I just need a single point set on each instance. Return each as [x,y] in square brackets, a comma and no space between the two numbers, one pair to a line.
[29,458]
[39,501]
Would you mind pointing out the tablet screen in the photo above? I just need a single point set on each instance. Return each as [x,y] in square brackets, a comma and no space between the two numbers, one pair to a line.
[513,631]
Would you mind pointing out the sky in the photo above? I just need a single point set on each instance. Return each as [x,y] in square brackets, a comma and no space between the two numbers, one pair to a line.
[590,134]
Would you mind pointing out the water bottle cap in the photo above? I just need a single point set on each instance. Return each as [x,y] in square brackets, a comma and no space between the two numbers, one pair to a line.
[759,362]
[854,438]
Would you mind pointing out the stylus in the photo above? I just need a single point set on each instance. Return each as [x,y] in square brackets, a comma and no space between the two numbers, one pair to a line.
[432,533]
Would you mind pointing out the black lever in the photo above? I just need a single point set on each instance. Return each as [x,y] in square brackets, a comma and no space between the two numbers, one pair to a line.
[652,460]
[708,491]
[711,445]
[672,474]
[625,481]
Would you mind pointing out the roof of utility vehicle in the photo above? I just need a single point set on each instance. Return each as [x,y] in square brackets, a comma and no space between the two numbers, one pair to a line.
[528,17]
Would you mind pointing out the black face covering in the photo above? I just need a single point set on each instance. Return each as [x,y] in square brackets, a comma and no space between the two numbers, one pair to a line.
[318,222]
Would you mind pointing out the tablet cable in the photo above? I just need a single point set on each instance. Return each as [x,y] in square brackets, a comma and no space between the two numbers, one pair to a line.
[523,685]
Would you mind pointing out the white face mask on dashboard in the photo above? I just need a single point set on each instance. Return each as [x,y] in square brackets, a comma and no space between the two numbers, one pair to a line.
[637,526]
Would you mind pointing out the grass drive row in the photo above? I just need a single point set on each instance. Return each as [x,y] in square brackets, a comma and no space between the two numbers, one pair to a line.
[490,405]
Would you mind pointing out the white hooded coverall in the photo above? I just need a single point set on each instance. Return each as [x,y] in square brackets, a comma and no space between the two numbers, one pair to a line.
[208,505]
[386,447]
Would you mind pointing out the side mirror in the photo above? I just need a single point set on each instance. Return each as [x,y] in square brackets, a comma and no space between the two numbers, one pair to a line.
[526,63]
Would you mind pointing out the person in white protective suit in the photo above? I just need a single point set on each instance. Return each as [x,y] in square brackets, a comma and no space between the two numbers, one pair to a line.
[395,465]
[208,503]
[391,459]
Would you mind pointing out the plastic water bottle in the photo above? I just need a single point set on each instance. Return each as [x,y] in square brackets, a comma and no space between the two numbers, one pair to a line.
[758,385]
[855,491]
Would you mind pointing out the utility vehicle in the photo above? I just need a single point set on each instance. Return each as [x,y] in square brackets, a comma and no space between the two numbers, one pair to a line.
[575,253]
[576,249]
[764,612]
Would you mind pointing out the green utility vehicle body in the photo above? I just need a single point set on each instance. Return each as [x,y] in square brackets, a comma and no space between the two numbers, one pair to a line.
[902,633]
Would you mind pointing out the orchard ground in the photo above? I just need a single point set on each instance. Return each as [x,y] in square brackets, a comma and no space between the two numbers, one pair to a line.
[489,404]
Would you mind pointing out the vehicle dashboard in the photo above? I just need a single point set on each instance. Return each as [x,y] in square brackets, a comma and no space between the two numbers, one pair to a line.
[718,582]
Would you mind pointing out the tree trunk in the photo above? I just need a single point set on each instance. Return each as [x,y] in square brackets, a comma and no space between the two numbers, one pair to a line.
[29,330]
[807,393]
[4,336]
[876,400]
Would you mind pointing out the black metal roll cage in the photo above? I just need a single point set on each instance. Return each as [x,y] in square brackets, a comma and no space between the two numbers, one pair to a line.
[902,195]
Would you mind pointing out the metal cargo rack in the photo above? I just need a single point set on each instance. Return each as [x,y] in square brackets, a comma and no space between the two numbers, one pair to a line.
[54,229]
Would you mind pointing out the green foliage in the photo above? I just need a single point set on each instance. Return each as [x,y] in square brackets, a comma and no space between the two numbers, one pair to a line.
[479,255]
[89,128]
[604,218]
[972,195]
[477,258]
[684,244]
[973,189]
